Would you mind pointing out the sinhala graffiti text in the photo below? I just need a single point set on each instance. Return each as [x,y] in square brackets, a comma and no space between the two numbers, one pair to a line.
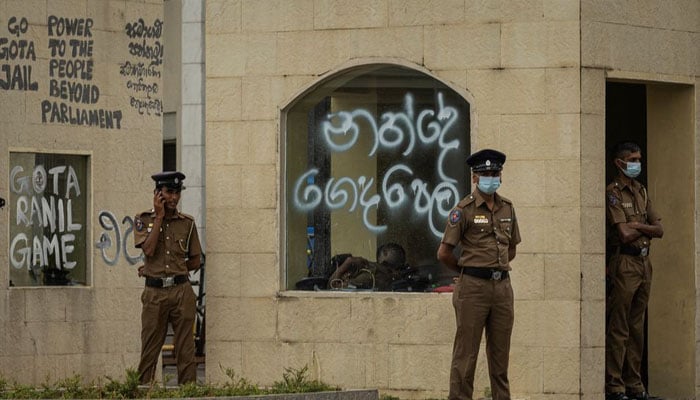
[392,131]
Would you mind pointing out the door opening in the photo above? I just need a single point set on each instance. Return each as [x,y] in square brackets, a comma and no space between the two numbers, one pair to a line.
[660,118]
[625,121]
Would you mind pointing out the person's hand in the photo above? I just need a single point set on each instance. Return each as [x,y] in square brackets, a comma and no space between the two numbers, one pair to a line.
[159,204]
[140,270]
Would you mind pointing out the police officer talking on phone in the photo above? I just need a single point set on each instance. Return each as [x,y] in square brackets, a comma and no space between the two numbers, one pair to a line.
[171,247]
[485,227]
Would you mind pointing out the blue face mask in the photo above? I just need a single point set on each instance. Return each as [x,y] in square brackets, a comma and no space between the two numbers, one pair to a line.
[633,169]
[489,184]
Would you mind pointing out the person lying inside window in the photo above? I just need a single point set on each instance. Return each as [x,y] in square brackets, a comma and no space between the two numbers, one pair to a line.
[360,273]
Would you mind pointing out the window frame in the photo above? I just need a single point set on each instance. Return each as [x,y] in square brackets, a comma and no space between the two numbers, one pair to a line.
[86,190]
[286,287]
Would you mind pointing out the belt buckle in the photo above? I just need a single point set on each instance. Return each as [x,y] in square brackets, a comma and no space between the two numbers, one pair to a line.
[168,281]
[496,275]
[644,251]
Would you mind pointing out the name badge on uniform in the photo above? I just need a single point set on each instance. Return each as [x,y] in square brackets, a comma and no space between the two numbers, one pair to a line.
[627,205]
[481,219]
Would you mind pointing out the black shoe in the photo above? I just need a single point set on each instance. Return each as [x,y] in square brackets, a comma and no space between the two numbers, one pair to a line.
[616,396]
[638,396]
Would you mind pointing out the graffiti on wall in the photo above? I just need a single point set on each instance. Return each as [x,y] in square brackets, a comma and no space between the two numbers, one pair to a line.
[17,55]
[44,200]
[114,239]
[72,79]
[142,72]
[73,92]
[391,131]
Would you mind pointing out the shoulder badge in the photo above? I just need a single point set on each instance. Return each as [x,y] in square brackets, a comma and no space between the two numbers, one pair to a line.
[455,216]
[138,224]
[612,199]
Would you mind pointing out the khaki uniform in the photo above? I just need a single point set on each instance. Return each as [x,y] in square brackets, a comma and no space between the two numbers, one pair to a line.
[177,241]
[369,275]
[631,285]
[479,303]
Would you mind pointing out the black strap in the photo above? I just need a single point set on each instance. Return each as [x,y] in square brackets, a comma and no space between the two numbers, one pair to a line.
[158,282]
[484,273]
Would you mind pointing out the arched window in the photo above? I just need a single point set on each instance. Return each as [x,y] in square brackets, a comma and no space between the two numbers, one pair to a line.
[372,155]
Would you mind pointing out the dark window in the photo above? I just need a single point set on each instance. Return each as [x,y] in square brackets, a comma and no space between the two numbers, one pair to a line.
[169,155]
[373,155]
[49,197]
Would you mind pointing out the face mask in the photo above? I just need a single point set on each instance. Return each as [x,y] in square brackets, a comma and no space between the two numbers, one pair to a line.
[489,184]
[633,169]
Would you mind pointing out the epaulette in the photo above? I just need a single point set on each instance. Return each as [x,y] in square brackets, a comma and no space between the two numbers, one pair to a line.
[466,201]
[186,216]
[613,186]
[505,200]
[148,212]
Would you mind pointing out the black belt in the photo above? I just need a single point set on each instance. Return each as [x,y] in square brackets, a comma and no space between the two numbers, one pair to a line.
[167,281]
[486,273]
[634,251]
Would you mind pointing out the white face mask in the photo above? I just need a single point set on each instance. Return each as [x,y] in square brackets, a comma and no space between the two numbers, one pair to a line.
[633,169]
[489,184]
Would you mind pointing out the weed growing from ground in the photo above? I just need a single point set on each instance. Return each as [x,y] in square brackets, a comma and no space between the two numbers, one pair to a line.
[293,381]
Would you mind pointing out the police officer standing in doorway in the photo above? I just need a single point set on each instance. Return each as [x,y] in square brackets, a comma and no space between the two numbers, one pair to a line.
[632,223]
[485,226]
[171,247]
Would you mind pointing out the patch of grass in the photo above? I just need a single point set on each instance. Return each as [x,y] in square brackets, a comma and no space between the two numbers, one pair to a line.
[293,381]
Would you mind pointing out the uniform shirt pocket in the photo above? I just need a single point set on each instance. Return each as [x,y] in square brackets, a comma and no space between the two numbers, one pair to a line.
[506,227]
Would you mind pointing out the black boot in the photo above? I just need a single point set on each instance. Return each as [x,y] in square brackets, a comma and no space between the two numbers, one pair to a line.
[638,396]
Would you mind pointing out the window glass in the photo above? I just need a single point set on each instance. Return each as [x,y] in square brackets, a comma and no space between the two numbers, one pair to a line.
[48,212]
[374,155]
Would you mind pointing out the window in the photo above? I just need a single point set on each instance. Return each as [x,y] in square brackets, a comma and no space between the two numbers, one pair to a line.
[48,219]
[170,141]
[375,154]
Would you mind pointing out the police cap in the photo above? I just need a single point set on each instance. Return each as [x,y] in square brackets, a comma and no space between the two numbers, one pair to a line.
[486,160]
[169,179]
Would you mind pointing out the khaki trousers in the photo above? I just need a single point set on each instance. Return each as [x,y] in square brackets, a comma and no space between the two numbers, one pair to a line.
[481,304]
[624,339]
[175,305]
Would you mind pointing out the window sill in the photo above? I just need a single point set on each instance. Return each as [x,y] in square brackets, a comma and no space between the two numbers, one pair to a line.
[359,293]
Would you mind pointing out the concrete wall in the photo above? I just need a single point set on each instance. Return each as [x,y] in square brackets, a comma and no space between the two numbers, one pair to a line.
[653,43]
[534,73]
[92,330]
[518,64]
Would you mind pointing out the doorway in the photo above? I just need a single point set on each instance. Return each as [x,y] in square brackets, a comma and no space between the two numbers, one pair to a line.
[660,118]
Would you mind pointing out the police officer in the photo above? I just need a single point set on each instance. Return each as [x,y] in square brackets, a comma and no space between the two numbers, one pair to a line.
[632,223]
[485,226]
[171,247]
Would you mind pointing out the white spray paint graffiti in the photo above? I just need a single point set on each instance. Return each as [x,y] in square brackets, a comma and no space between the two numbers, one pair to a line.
[341,131]
[121,239]
[43,203]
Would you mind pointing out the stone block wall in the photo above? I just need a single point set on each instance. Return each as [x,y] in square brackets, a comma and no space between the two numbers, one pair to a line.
[518,65]
[92,330]
[653,43]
